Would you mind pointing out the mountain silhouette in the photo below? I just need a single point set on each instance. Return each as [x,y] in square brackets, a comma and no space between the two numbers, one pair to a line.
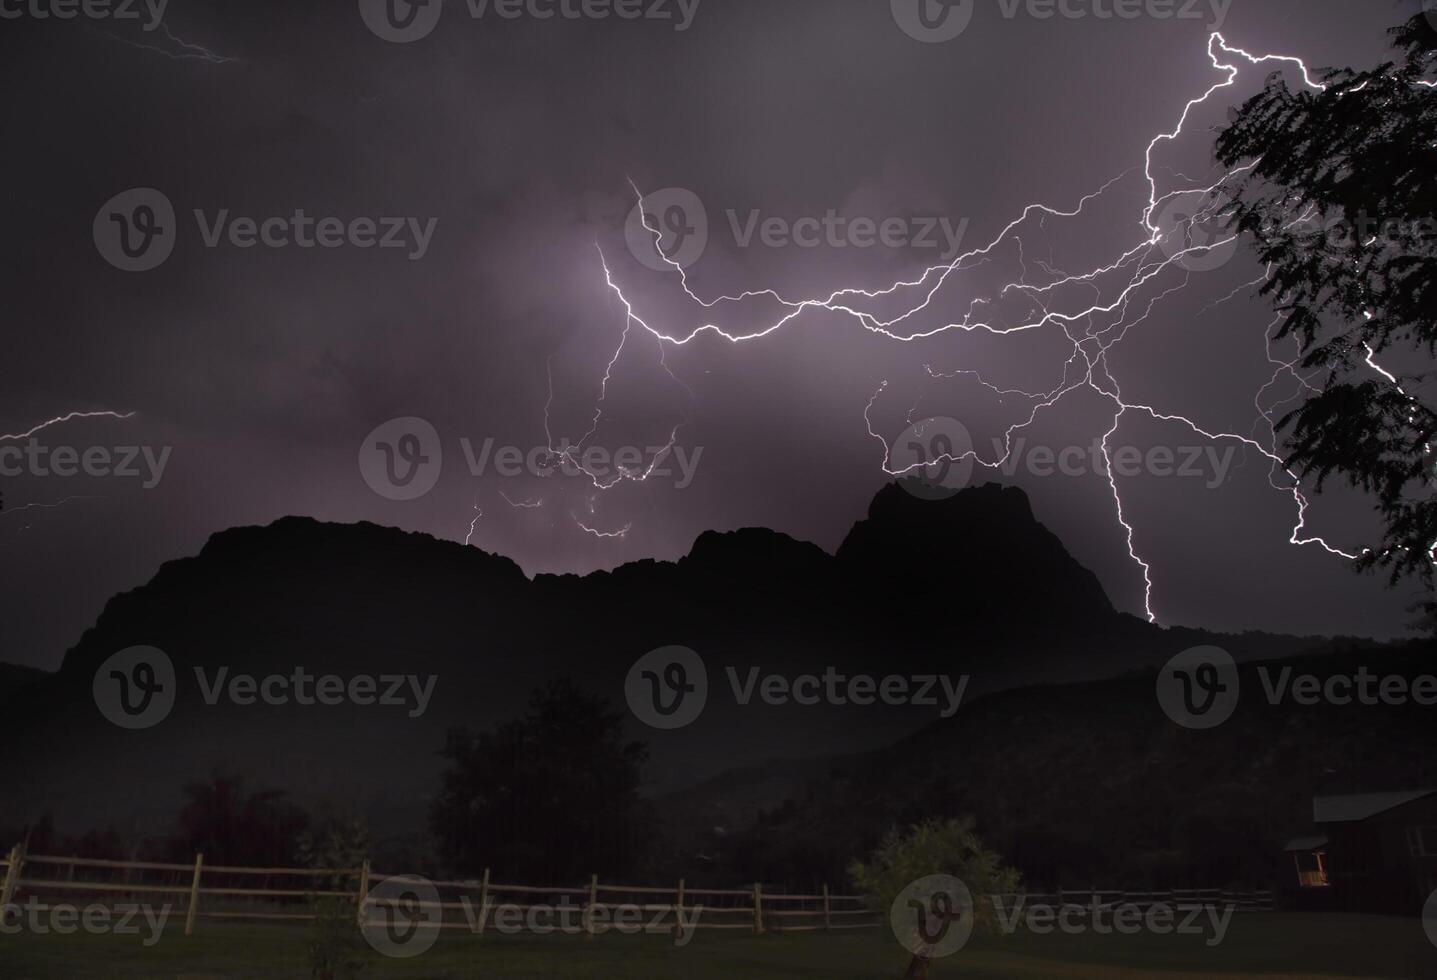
[967,586]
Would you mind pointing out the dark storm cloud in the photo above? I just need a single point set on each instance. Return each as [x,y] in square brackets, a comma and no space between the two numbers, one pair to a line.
[264,367]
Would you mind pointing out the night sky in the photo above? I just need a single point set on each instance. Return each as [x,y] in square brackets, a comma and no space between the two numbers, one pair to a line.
[263,369]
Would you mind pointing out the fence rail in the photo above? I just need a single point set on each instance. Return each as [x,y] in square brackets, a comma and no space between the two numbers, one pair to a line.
[1246,901]
[223,892]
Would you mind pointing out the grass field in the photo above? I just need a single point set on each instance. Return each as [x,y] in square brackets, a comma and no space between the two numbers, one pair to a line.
[1268,945]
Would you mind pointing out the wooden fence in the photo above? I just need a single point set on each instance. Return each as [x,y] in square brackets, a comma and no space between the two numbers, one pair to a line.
[204,891]
[220,892]
[661,909]
[181,885]
[1252,901]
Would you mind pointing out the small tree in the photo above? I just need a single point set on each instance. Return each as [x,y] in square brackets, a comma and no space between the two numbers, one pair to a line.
[934,847]
[335,946]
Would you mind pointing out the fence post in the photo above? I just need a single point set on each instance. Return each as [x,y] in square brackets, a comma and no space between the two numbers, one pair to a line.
[361,903]
[758,908]
[12,879]
[194,896]
[484,902]
[589,910]
[827,910]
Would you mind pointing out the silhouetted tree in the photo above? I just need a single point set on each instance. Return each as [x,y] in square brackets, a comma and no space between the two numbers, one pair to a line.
[1341,198]
[551,798]
[233,827]
[39,837]
[42,837]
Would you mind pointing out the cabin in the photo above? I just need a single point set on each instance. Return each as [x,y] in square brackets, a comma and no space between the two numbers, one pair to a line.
[1367,852]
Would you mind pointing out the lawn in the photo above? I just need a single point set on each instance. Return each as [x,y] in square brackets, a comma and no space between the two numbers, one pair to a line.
[1268,945]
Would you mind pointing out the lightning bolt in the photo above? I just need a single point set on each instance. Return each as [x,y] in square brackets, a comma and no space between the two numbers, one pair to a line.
[531,504]
[6,512]
[1093,331]
[41,427]
[61,419]
[623,532]
[182,51]
[474,524]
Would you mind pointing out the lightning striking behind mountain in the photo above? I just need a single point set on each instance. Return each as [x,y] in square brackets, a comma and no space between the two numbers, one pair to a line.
[1175,230]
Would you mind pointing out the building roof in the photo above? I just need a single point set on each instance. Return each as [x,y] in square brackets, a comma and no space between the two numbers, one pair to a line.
[1305,843]
[1361,806]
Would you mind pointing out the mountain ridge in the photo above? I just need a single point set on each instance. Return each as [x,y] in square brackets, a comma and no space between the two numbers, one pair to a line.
[970,585]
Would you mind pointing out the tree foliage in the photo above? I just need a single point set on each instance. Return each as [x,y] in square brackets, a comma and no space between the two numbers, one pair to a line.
[935,847]
[1338,189]
[549,798]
